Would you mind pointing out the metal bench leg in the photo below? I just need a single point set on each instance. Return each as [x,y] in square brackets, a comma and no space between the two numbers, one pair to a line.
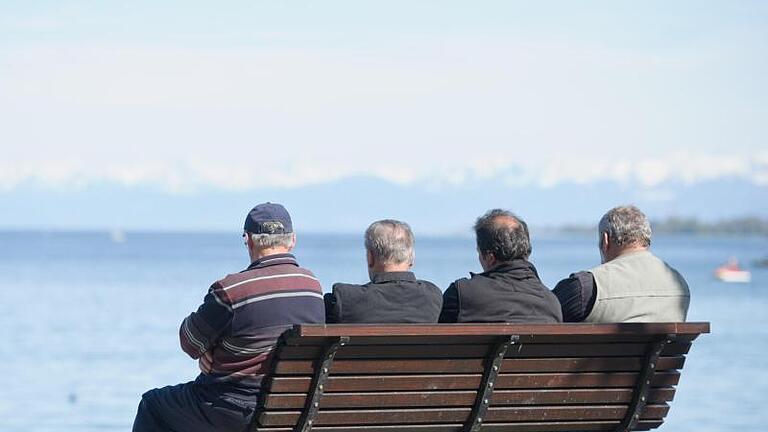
[643,387]
[312,406]
[492,369]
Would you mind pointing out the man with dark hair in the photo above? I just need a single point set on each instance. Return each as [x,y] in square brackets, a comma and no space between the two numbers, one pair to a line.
[234,331]
[631,284]
[509,289]
[393,295]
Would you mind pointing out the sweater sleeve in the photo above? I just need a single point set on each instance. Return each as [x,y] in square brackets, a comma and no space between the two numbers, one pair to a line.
[201,329]
[576,295]
[450,311]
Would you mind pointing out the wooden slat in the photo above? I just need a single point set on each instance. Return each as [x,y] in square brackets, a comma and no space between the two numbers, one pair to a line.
[465,398]
[335,330]
[449,415]
[585,364]
[373,383]
[487,427]
[483,339]
[480,351]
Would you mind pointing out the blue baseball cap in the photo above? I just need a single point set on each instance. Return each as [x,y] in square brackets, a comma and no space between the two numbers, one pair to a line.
[268,218]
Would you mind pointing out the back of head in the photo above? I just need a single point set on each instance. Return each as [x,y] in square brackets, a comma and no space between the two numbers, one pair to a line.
[626,226]
[390,241]
[504,234]
[269,226]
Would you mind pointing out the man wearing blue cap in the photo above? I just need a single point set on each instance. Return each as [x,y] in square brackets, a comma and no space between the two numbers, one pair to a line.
[234,331]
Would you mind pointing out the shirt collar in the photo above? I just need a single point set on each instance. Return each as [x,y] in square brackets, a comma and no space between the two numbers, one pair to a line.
[270,260]
[393,276]
[507,266]
[632,253]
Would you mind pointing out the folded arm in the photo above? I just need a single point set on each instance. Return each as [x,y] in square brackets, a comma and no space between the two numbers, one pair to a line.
[200,331]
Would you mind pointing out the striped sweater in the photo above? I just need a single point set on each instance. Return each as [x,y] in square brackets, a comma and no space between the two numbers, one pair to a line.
[243,315]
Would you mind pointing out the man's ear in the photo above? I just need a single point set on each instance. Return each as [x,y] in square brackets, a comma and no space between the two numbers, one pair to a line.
[604,241]
[369,259]
[487,259]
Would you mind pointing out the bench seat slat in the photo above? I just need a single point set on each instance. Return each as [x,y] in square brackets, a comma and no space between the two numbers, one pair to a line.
[587,364]
[481,351]
[469,382]
[465,398]
[450,415]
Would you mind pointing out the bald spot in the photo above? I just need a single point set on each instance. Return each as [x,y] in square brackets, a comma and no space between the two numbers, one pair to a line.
[506,221]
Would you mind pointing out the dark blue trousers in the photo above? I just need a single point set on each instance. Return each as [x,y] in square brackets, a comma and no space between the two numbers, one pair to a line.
[192,407]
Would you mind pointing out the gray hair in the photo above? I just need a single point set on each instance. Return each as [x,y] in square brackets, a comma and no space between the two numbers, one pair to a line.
[263,241]
[507,241]
[626,225]
[390,240]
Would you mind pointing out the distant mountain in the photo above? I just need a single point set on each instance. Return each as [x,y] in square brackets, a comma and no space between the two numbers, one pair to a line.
[349,205]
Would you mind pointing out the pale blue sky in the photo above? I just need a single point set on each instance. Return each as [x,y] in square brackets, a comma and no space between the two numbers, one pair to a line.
[249,94]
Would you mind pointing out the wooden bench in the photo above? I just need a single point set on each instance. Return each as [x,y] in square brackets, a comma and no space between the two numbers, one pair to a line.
[469,377]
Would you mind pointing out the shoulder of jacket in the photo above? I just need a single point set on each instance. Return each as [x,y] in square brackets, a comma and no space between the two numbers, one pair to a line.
[227,281]
[462,282]
[303,270]
[240,277]
[429,285]
[347,287]
[467,279]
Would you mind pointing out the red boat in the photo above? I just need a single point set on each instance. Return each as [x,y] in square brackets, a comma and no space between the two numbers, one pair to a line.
[731,272]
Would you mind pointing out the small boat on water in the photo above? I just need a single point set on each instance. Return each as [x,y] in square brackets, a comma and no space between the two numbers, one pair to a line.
[731,272]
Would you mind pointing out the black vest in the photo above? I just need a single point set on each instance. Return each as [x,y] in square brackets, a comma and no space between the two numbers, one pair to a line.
[395,297]
[510,292]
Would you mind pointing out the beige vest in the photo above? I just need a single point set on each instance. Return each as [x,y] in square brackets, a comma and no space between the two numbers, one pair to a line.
[639,287]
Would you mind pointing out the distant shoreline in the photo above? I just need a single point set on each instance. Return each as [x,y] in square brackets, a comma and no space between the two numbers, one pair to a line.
[693,226]
[744,226]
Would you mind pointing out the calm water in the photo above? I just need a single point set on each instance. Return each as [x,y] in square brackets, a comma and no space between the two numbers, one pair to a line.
[88,324]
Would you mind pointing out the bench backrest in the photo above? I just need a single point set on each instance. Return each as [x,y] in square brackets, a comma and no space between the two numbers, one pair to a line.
[467,377]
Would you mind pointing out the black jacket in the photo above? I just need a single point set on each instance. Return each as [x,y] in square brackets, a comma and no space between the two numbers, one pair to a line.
[510,292]
[395,297]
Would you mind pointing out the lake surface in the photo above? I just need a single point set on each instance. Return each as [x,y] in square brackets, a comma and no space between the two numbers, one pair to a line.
[88,324]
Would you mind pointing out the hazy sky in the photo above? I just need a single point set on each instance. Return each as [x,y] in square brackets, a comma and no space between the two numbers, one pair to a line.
[245,94]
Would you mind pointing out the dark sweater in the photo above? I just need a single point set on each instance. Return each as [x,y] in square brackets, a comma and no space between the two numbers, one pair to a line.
[510,292]
[243,315]
[395,297]
[577,295]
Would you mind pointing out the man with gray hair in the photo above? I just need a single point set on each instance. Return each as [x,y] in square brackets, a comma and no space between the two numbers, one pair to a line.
[234,332]
[631,284]
[393,295]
